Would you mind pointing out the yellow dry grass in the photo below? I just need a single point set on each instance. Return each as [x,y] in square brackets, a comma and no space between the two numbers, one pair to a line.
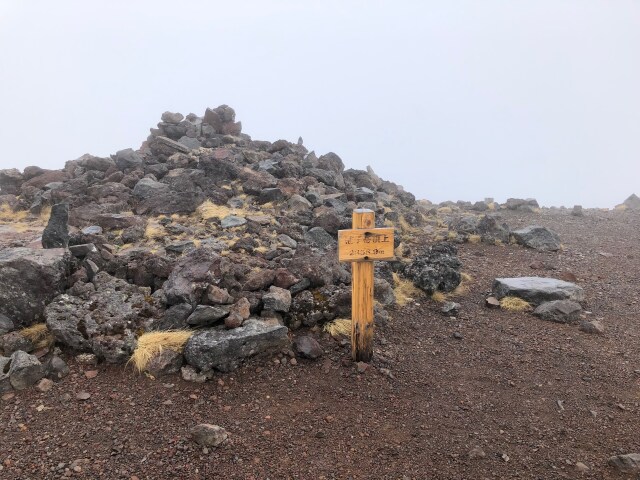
[405,227]
[445,210]
[340,326]
[439,297]
[621,207]
[404,290]
[8,215]
[515,304]
[452,235]
[474,239]
[154,230]
[39,335]
[152,343]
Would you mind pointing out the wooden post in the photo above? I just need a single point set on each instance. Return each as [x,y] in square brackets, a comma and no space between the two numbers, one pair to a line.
[362,296]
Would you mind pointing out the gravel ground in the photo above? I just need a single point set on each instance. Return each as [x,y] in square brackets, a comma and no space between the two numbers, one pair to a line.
[509,396]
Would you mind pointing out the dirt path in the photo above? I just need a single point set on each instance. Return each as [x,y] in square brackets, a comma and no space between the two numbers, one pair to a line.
[534,397]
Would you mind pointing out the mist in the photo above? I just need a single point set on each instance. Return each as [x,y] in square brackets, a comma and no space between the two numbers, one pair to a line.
[453,100]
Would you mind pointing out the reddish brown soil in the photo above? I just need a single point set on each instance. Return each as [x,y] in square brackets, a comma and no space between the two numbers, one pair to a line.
[497,388]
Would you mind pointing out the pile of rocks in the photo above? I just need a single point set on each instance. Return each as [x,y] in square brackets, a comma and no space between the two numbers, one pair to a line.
[201,228]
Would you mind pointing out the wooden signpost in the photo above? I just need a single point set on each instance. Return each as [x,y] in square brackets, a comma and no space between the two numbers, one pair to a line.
[361,246]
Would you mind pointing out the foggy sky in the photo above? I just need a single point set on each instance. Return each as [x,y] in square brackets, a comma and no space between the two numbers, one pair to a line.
[452,99]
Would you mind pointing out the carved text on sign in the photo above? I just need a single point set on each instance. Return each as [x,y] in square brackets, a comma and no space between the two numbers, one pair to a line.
[365,244]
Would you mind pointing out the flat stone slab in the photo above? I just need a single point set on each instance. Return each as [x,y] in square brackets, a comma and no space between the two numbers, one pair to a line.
[537,290]
[560,311]
[538,238]
[224,350]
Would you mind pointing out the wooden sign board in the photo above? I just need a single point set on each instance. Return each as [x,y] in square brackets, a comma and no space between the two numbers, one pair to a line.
[366,244]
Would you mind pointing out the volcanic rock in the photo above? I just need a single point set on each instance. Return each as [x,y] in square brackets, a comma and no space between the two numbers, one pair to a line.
[224,350]
[537,290]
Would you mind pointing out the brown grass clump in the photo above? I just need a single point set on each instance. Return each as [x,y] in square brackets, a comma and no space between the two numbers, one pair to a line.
[154,230]
[404,290]
[39,335]
[439,297]
[340,326]
[474,239]
[152,343]
[8,215]
[515,304]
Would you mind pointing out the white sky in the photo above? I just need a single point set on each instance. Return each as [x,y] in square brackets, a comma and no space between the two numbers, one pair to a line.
[452,99]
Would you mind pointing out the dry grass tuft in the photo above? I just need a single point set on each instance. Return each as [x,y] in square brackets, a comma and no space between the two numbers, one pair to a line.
[154,230]
[445,210]
[404,290]
[340,326]
[439,297]
[8,215]
[515,304]
[152,343]
[463,288]
[452,235]
[45,213]
[474,239]
[39,335]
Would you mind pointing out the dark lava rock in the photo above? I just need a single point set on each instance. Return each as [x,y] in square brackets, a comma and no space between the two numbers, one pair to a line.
[538,238]
[56,233]
[537,290]
[308,347]
[561,311]
[224,350]
[437,269]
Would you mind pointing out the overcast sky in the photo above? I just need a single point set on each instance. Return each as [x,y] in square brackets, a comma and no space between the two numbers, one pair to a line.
[452,99]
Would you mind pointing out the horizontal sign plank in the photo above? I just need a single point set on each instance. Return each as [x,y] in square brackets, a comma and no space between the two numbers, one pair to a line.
[365,244]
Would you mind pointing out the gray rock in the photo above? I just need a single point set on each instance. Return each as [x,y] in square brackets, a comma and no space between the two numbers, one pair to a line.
[632,202]
[148,187]
[189,374]
[6,324]
[298,203]
[171,117]
[307,347]
[25,370]
[577,211]
[29,279]
[450,308]
[82,250]
[91,268]
[208,435]
[192,275]
[259,280]
[231,221]
[278,299]
[318,237]
[5,381]
[537,290]
[287,241]
[180,247]
[127,158]
[56,233]
[592,326]
[436,269]
[538,238]
[383,292]
[225,349]
[166,362]
[190,143]
[175,317]
[207,315]
[524,205]
[561,311]
[268,195]
[14,341]
[56,368]
[628,463]
[92,230]
[491,230]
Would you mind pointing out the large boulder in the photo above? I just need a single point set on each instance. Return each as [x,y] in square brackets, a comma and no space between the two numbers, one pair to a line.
[524,205]
[192,275]
[224,350]
[29,279]
[537,290]
[105,321]
[436,269]
[538,238]
[56,233]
